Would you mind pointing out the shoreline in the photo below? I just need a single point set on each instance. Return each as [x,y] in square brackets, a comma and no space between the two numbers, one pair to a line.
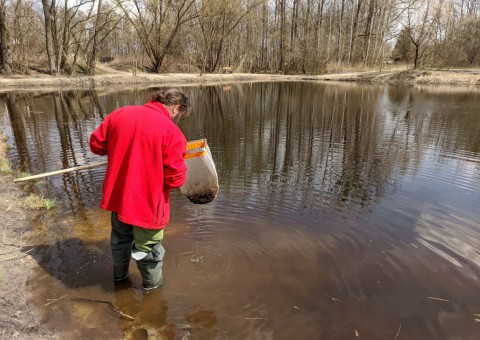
[109,77]
[19,319]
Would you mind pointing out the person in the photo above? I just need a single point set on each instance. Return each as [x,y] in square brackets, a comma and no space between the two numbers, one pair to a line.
[145,150]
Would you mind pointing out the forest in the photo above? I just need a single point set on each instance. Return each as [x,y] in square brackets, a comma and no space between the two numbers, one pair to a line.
[71,37]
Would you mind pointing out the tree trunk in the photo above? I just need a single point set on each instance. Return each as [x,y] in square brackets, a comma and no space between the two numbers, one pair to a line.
[368,31]
[318,25]
[264,53]
[93,56]
[306,26]
[340,33]
[281,65]
[4,46]
[65,36]
[47,11]
[417,53]
[354,32]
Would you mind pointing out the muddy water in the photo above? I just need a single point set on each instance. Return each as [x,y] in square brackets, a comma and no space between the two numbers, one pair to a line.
[344,210]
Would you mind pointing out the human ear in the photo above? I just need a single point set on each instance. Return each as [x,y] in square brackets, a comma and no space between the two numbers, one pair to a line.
[177,109]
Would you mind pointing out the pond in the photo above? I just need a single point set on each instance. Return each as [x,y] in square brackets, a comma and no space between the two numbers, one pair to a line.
[344,210]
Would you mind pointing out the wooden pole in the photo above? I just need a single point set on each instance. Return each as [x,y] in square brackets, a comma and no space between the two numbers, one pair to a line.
[57,172]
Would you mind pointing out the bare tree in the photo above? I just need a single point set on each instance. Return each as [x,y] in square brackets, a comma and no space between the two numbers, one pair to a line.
[69,32]
[419,28]
[157,23]
[256,35]
[471,35]
[217,20]
[106,20]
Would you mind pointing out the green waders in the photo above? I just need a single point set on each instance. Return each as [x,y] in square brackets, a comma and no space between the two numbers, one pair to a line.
[144,245]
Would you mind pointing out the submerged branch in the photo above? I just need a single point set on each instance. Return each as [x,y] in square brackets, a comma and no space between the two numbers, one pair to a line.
[110,304]
[112,307]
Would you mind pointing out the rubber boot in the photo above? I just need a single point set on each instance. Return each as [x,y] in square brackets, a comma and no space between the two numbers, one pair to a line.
[120,272]
[150,266]
[121,241]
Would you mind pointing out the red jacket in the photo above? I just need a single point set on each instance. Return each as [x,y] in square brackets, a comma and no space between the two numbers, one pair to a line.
[145,160]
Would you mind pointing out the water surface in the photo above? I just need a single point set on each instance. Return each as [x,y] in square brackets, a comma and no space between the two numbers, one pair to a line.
[343,210]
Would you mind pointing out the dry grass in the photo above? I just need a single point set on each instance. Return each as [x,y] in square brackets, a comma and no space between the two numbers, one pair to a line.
[35,202]
[32,201]
[5,166]
[334,68]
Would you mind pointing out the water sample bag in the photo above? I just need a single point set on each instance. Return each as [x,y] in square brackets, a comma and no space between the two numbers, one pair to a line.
[201,185]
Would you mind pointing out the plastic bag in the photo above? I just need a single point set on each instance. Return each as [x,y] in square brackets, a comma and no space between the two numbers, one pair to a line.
[201,185]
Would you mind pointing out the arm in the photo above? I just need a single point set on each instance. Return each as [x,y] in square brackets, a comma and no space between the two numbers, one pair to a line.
[99,138]
[174,168]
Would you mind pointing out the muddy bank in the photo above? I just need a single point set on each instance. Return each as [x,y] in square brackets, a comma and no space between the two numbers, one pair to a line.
[126,79]
[466,77]
[109,76]
[18,317]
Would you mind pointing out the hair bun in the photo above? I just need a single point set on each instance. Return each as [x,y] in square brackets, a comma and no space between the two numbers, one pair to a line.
[159,96]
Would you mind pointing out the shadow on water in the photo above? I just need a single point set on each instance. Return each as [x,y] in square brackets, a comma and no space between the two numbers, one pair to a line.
[76,263]
[82,300]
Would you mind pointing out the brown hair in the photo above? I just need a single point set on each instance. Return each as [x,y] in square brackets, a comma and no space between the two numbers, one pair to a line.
[173,97]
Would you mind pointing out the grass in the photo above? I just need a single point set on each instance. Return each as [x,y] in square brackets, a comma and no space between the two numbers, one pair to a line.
[335,68]
[5,166]
[32,201]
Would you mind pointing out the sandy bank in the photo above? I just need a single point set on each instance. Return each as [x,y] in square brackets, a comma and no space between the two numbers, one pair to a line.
[108,77]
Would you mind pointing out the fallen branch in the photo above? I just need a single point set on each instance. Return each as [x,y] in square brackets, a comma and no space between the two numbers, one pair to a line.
[398,333]
[10,245]
[23,254]
[4,246]
[331,297]
[13,258]
[258,319]
[53,301]
[126,316]
[438,299]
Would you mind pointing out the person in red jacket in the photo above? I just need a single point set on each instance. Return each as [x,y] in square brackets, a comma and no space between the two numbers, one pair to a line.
[145,150]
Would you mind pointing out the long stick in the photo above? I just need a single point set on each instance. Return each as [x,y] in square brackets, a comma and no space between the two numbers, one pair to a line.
[194,147]
[64,171]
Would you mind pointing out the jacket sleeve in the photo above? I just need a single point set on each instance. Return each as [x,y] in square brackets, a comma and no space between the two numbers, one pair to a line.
[99,138]
[174,167]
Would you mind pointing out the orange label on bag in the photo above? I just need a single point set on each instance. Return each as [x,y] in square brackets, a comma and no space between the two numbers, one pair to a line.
[196,148]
